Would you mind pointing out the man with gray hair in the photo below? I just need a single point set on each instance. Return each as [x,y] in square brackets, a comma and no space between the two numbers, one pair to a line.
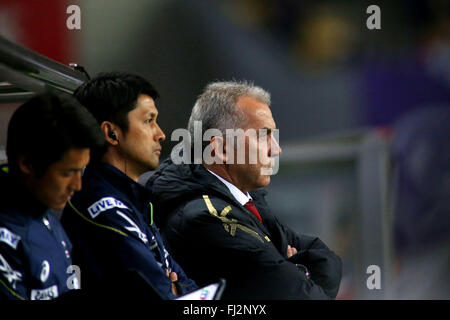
[217,222]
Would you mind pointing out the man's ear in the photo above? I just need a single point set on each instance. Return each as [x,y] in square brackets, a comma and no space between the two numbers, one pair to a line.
[111,132]
[24,166]
[219,149]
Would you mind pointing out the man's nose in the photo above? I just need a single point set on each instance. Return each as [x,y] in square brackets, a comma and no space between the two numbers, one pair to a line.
[160,136]
[75,184]
[275,149]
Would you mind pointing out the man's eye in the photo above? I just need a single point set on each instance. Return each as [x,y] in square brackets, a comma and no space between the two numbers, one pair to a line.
[149,120]
[67,174]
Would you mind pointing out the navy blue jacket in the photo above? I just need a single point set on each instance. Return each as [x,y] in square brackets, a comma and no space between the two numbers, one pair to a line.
[110,224]
[35,252]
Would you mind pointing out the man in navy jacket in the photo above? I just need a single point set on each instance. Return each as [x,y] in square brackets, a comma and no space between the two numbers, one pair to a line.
[111,221]
[48,145]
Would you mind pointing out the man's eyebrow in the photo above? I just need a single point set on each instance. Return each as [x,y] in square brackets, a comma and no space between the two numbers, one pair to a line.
[73,169]
[152,114]
[264,131]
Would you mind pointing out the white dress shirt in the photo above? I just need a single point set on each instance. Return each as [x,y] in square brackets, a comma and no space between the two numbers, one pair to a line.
[241,197]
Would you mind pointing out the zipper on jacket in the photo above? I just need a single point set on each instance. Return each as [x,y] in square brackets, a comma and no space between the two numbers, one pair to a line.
[46,223]
[60,242]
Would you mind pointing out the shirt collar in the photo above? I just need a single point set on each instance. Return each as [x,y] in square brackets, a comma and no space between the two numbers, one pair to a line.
[241,197]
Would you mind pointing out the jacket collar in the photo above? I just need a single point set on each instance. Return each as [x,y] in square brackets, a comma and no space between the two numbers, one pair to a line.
[241,197]
[211,184]
[209,181]
[173,184]
[120,182]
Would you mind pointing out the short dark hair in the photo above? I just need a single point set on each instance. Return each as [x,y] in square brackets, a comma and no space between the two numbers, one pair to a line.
[111,96]
[47,126]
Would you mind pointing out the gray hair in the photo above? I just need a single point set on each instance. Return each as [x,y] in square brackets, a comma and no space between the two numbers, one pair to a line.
[216,106]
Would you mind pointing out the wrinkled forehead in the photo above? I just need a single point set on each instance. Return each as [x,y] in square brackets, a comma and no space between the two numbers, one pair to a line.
[257,113]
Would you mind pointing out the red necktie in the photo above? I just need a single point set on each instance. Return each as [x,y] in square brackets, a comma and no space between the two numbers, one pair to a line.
[251,207]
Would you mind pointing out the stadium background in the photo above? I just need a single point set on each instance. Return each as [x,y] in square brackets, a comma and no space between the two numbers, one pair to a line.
[341,93]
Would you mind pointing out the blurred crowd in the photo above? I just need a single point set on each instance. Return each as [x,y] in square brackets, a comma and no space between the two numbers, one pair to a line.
[326,71]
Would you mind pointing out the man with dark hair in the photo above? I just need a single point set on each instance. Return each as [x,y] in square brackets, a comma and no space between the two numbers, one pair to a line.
[217,209]
[111,221]
[48,145]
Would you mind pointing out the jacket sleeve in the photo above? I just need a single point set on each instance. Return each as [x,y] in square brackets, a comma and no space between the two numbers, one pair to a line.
[250,259]
[12,276]
[184,284]
[324,265]
[132,254]
[114,243]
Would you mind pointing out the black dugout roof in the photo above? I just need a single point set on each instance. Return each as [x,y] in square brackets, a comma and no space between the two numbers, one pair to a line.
[23,73]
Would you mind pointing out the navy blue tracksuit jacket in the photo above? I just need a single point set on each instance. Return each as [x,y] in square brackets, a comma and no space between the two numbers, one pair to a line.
[110,224]
[35,252]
